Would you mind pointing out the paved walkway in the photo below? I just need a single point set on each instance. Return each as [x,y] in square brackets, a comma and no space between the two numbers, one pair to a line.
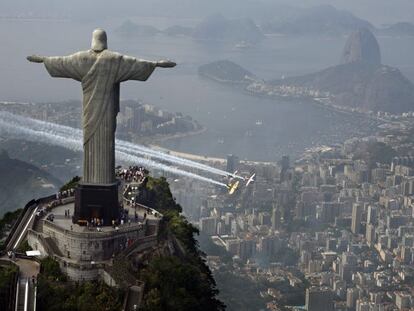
[28,268]
[65,222]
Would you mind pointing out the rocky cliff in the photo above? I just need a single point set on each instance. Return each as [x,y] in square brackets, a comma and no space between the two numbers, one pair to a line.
[362,46]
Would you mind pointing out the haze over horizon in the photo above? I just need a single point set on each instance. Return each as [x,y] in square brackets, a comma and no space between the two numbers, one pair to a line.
[377,11]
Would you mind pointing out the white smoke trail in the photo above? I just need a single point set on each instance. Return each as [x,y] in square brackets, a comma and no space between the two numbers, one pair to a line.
[149,163]
[138,149]
[69,138]
[120,144]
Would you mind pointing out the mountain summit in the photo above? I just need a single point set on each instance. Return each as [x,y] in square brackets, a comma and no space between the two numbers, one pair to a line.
[360,82]
[362,46]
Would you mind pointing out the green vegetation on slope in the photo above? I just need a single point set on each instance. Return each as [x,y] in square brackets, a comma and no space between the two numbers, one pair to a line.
[8,277]
[172,282]
[56,293]
[156,193]
[176,282]
[71,184]
[8,219]
[6,223]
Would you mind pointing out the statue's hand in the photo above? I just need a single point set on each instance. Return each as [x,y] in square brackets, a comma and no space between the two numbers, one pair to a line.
[35,59]
[166,64]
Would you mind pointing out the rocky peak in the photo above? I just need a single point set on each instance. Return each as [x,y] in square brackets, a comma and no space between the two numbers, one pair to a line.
[362,46]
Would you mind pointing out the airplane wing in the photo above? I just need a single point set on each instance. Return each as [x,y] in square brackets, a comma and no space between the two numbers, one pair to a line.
[251,179]
[234,187]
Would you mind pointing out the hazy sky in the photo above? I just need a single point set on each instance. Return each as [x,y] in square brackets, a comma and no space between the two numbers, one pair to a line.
[376,11]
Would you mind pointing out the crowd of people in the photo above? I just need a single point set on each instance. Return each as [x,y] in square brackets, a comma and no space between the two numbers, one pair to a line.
[132,174]
[53,204]
[65,194]
[58,201]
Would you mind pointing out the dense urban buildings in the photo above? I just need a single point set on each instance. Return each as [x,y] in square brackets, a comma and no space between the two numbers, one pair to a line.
[332,231]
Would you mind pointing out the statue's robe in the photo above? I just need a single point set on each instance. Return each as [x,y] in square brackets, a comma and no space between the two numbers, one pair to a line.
[100,74]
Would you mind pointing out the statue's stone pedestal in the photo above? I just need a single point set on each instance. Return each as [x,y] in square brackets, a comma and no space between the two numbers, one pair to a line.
[96,201]
[86,253]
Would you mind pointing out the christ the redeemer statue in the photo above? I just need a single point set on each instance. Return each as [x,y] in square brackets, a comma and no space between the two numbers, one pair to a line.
[100,72]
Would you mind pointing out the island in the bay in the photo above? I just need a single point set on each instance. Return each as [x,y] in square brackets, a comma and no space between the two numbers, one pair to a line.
[359,83]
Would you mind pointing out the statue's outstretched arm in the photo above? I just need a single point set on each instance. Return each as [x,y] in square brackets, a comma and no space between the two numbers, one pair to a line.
[35,58]
[165,64]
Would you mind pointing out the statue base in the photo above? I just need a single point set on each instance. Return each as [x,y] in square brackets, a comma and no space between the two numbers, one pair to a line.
[95,201]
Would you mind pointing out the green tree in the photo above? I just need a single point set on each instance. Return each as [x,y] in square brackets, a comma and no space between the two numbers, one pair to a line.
[176,283]
[55,292]
[71,184]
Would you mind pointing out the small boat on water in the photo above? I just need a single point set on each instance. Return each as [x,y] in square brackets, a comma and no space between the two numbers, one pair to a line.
[242,45]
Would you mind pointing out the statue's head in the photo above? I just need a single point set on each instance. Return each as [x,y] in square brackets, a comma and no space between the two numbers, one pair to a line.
[99,40]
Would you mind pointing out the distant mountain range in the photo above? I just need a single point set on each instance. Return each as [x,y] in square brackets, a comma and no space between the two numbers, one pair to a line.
[20,182]
[130,29]
[288,20]
[215,27]
[359,82]
[398,29]
[320,20]
[327,20]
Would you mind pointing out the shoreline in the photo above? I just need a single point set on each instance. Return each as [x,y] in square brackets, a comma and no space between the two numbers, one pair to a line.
[196,157]
[162,138]
[290,98]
